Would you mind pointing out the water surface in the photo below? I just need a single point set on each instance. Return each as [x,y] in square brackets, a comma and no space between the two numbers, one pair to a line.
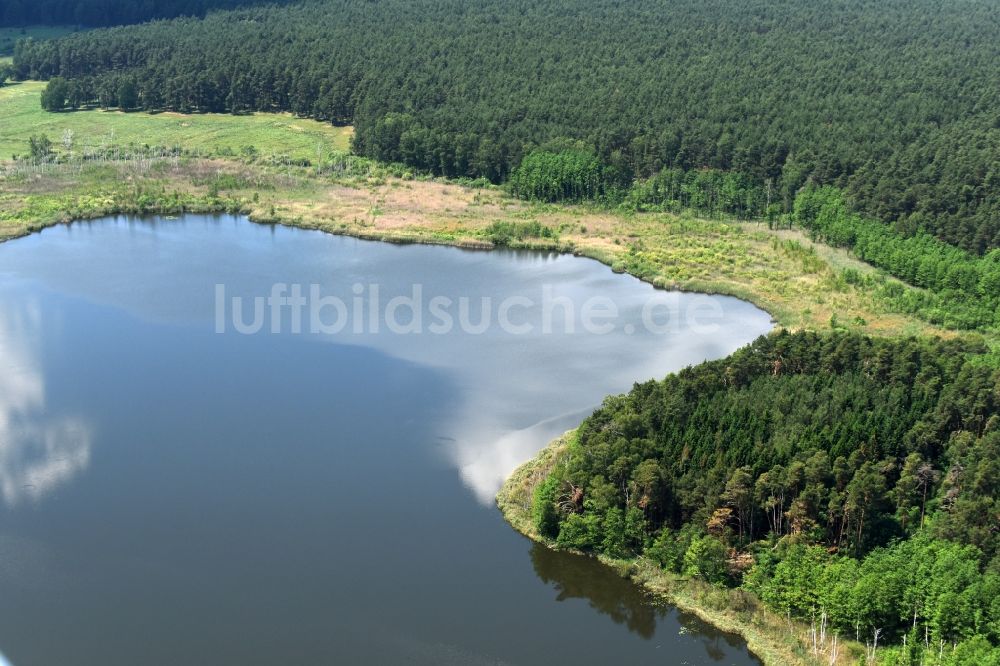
[170,494]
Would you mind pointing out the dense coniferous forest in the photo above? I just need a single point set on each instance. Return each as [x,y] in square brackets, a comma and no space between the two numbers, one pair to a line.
[94,13]
[861,474]
[896,103]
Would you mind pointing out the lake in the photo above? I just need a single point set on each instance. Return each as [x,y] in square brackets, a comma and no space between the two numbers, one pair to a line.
[193,470]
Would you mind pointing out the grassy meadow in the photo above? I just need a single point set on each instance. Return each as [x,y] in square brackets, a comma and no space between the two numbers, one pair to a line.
[271,134]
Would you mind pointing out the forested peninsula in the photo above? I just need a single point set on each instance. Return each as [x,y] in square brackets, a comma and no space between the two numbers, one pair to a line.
[837,163]
[846,481]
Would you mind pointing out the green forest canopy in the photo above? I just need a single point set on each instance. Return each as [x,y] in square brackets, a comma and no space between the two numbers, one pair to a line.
[20,13]
[896,102]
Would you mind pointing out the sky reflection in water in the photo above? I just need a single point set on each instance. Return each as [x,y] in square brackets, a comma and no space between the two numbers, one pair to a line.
[174,495]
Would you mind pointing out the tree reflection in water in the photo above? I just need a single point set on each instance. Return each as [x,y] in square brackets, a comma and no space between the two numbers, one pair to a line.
[581,577]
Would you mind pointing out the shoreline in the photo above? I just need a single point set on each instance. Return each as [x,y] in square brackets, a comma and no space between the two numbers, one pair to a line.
[773,640]
[404,237]
[397,237]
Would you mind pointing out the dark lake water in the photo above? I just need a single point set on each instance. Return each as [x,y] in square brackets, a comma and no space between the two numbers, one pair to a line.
[170,494]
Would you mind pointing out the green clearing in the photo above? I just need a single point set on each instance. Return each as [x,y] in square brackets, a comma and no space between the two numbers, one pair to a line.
[271,134]
[10,36]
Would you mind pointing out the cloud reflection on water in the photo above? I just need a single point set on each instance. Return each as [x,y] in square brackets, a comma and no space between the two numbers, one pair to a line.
[484,461]
[37,452]
[512,385]
[555,372]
